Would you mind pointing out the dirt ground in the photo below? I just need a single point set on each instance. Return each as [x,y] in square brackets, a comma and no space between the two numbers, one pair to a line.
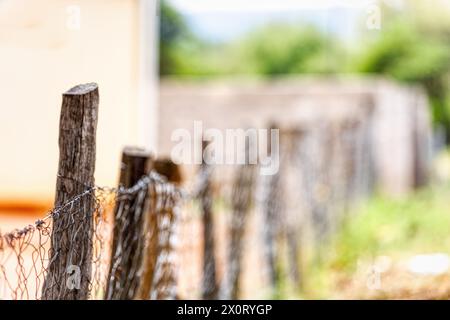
[395,283]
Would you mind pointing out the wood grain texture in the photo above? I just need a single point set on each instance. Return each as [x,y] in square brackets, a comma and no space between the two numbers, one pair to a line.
[130,216]
[72,233]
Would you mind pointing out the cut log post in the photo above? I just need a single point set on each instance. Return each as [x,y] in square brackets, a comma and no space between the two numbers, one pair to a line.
[165,209]
[129,219]
[171,171]
[168,169]
[204,193]
[69,270]
[294,208]
[242,199]
[272,209]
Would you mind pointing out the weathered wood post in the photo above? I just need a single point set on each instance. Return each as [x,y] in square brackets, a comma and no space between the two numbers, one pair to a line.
[242,200]
[272,207]
[204,194]
[166,193]
[69,270]
[171,171]
[292,223]
[129,216]
[168,169]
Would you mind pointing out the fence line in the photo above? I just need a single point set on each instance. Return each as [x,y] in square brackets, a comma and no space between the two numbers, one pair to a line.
[205,196]
[121,243]
[129,218]
[63,256]
[24,253]
[278,209]
[241,201]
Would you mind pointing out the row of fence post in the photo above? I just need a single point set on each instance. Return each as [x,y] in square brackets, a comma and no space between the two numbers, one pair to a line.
[242,200]
[145,214]
[141,264]
[129,218]
[324,171]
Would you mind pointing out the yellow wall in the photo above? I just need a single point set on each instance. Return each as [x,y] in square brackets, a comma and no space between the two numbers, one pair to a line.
[43,54]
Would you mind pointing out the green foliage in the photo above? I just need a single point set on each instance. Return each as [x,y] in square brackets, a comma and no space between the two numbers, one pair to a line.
[411,53]
[398,228]
[272,50]
[180,50]
[279,49]
[424,62]
[411,48]
[407,55]
[383,54]
[172,30]
[415,224]
[173,27]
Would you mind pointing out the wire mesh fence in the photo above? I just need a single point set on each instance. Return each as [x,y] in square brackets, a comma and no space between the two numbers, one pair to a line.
[26,254]
[136,242]
[325,172]
[163,253]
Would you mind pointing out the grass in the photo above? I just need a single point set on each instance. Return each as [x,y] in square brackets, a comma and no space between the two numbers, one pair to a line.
[397,228]
[418,223]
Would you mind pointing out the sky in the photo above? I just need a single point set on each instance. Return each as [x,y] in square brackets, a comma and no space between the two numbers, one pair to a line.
[233,6]
[221,20]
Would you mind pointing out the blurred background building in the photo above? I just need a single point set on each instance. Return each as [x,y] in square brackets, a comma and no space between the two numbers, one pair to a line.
[398,118]
[48,46]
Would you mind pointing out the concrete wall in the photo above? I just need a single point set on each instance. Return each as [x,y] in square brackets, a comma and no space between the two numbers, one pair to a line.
[399,116]
[42,54]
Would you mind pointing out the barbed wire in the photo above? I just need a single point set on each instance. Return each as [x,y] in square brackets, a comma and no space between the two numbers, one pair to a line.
[25,253]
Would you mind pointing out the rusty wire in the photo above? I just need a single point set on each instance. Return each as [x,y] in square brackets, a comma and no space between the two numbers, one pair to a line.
[25,253]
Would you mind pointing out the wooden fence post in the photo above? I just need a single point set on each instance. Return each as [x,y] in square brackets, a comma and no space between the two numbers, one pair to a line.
[69,269]
[129,216]
[165,209]
[170,170]
[242,199]
[272,208]
[209,280]
[290,141]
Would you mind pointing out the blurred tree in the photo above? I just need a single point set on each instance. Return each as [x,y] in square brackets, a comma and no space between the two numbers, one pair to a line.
[413,46]
[172,30]
[181,52]
[414,49]
[281,48]
[271,50]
